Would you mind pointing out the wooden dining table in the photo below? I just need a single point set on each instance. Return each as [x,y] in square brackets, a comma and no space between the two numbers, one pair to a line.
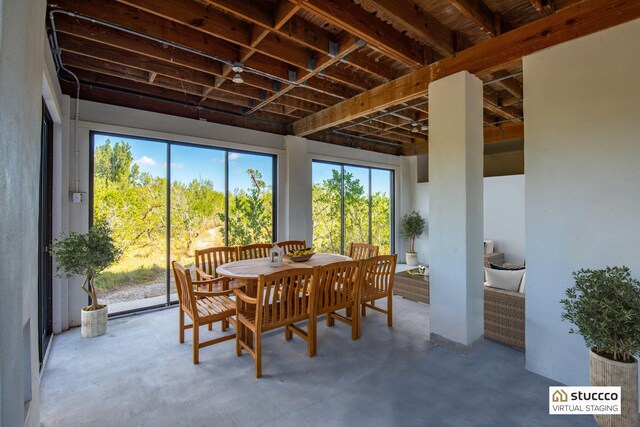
[247,271]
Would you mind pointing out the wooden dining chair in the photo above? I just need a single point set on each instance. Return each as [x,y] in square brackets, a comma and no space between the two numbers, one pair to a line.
[360,251]
[336,287]
[202,307]
[292,245]
[257,250]
[377,283]
[283,299]
[208,259]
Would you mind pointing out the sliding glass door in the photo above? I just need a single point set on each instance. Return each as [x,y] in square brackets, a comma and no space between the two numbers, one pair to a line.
[351,204]
[163,200]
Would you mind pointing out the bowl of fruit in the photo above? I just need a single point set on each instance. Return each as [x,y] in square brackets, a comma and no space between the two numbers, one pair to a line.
[300,255]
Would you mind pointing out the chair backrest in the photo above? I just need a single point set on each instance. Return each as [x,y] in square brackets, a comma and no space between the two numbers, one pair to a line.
[377,276]
[184,286]
[360,251]
[284,297]
[336,286]
[258,250]
[291,245]
[209,259]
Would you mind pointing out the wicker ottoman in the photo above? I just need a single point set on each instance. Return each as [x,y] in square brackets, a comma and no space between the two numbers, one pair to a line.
[411,287]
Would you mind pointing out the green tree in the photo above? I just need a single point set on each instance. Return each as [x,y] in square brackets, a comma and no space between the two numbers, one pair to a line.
[114,165]
[250,212]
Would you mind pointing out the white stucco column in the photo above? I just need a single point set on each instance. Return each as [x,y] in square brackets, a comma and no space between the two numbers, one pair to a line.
[297,214]
[456,211]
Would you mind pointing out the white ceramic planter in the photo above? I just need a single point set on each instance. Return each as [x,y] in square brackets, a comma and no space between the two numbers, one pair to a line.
[412,258]
[94,323]
[607,372]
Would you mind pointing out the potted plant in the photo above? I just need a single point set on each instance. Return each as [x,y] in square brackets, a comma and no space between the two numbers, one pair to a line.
[411,227]
[87,255]
[604,305]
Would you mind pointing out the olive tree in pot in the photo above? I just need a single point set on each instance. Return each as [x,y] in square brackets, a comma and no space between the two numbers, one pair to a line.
[87,255]
[604,305]
[411,227]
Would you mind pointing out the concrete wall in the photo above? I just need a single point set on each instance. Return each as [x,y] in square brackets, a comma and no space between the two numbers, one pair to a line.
[504,215]
[582,103]
[21,50]
[294,184]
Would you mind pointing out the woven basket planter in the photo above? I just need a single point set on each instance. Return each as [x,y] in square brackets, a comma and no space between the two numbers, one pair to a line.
[607,372]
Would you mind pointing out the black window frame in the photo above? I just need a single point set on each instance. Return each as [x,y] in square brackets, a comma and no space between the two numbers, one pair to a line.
[170,143]
[392,200]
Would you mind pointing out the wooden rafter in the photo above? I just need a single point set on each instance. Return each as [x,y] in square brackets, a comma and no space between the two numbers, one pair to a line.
[357,21]
[489,22]
[544,7]
[492,55]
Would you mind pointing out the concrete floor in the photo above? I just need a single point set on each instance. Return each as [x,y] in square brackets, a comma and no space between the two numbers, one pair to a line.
[139,375]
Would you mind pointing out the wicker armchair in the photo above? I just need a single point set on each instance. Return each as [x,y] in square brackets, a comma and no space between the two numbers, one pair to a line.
[504,317]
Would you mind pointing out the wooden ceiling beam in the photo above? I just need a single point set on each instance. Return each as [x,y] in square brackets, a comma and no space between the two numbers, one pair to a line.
[360,23]
[109,54]
[479,13]
[347,45]
[117,76]
[494,54]
[216,23]
[415,19]
[544,7]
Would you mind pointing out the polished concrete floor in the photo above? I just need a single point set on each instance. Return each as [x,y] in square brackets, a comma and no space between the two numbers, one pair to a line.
[139,375]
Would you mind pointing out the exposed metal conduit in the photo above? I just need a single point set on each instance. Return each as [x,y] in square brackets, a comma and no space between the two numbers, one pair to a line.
[393,144]
[173,101]
[163,42]
[58,55]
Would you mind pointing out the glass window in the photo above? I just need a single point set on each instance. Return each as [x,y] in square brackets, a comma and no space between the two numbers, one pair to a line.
[351,204]
[135,180]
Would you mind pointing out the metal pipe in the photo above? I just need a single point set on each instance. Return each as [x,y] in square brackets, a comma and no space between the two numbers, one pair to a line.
[377,141]
[58,54]
[499,79]
[173,101]
[163,42]
[386,113]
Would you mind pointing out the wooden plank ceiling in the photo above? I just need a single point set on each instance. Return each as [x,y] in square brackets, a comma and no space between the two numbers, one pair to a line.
[323,68]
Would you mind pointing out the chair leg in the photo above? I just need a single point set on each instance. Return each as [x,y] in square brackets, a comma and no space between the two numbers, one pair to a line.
[330,320]
[348,312]
[181,316]
[364,309]
[196,343]
[389,311]
[355,325]
[287,333]
[238,336]
[225,325]
[257,347]
[312,336]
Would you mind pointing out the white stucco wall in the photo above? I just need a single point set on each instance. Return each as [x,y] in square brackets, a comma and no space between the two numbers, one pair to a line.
[582,152]
[21,50]
[504,215]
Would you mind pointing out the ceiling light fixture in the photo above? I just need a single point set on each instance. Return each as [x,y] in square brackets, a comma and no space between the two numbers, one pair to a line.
[237,67]
[414,130]
[424,127]
[237,78]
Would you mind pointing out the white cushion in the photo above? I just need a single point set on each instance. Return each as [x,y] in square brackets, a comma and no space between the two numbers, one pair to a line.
[522,283]
[509,280]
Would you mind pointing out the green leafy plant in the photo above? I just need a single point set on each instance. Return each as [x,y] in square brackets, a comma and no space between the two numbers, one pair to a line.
[604,305]
[85,255]
[411,227]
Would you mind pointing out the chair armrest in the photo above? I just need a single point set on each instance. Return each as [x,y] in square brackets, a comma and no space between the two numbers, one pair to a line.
[210,282]
[199,294]
[244,297]
[202,274]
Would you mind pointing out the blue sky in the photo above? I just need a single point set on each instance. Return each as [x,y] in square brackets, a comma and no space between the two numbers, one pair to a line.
[380,179]
[189,162]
